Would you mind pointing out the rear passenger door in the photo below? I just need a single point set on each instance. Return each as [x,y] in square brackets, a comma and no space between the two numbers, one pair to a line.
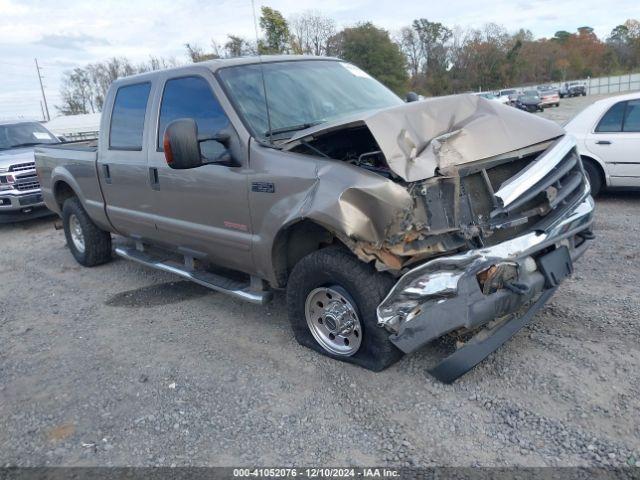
[203,211]
[122,161]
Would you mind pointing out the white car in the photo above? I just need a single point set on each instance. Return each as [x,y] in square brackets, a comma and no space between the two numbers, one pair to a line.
[507,96]
[488,96]
[608,137]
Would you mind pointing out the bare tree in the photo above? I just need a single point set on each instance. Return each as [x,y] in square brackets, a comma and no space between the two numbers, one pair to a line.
[197,54]
[238,47]
[76,92]
[157,63]
[411,47]
[311,32]
[84,89]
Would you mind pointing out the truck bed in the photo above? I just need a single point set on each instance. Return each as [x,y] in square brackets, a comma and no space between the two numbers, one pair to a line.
[73,163]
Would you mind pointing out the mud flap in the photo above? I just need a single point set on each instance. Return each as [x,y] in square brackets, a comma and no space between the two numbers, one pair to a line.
[467,357]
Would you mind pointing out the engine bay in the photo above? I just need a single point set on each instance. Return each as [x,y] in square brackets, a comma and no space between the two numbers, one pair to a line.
[355,146]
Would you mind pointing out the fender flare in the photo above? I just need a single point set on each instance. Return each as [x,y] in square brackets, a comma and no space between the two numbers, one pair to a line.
[61,175]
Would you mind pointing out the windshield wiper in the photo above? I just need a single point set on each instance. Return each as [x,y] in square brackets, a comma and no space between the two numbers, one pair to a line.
[292,128]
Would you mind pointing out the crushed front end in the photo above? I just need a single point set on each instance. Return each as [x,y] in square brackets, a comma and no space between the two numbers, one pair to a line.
[527,230]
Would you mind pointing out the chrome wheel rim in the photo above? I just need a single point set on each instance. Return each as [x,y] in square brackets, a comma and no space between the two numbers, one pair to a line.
[333,321]
[77,237]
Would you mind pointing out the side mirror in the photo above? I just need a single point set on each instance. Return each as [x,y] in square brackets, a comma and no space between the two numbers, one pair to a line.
[182,146]
[412,97]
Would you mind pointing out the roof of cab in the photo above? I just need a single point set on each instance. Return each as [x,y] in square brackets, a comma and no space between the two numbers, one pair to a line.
[219,63]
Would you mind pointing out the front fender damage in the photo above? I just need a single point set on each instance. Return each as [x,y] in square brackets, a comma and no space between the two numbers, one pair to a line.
[385,222]
[412,183]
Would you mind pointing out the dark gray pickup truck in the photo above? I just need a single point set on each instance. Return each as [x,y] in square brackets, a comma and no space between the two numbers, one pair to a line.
[390,224]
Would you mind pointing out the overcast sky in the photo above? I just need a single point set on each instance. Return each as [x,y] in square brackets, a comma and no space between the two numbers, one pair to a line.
[64,34]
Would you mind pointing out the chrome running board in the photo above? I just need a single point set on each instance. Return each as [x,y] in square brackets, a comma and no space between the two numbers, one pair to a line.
[213,281]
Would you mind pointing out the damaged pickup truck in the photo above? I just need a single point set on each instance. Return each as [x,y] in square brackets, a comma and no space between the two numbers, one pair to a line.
[390,224]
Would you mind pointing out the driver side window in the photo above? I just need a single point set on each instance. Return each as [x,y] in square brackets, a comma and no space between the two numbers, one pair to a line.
[191,97]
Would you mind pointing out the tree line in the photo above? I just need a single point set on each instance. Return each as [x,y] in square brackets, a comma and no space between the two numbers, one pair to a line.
[427,57]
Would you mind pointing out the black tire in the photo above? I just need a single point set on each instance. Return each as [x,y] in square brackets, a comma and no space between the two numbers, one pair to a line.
[337,267]
[594,176]
[97,242]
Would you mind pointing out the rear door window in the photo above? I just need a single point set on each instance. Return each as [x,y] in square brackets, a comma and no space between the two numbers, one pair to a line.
[127,118]
[632,117]
[612,120]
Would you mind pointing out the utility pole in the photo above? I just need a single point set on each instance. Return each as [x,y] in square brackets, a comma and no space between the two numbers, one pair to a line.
[44,99]
[44,119]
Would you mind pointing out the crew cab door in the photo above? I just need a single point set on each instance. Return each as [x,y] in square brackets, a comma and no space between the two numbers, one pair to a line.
[616,139]
[202,211]
[122,160]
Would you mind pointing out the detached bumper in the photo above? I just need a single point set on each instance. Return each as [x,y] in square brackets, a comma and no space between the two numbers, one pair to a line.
[448,293]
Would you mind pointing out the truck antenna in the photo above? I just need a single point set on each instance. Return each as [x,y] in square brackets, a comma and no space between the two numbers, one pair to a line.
[264,83]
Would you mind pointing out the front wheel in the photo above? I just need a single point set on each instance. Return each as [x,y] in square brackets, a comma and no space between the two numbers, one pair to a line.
[89,244]
[332,299]
[595,179]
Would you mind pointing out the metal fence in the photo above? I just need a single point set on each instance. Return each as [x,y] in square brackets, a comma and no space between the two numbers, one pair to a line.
[611,84]
[614,84]
[75,136]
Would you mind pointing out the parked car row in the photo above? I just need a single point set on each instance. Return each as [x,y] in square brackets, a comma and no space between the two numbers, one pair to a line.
[573,89]
[536,99]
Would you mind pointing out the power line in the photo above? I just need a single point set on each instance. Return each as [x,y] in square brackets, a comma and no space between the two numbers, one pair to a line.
[44,98]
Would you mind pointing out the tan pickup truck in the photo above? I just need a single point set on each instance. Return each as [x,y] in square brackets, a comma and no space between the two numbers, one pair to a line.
[390,224]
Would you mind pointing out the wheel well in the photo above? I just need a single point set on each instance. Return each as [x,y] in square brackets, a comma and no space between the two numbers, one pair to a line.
[595,163]
[295,242]
[61,192]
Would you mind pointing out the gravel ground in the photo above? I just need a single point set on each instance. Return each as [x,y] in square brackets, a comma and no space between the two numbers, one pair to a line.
[123,365]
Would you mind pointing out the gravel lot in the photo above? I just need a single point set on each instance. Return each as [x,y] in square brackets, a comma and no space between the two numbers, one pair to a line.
[122,365]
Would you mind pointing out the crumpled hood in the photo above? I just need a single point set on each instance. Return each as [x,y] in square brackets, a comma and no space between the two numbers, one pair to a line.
[13,157]
[419,137]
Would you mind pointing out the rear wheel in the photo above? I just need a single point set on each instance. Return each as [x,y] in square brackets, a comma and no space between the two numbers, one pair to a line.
[594,176]
[332,299]
[89,244]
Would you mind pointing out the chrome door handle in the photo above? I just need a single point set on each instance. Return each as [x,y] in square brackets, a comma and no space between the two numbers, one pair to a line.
[106,173]
[603,142]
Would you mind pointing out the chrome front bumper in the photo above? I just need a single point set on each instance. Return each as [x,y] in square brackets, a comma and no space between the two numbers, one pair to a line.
[444,294]
[18,205]
[13,200]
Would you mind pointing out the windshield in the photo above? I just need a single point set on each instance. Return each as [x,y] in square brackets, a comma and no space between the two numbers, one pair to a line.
[507,92]
[530,93]
[17,135]
[302,94]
